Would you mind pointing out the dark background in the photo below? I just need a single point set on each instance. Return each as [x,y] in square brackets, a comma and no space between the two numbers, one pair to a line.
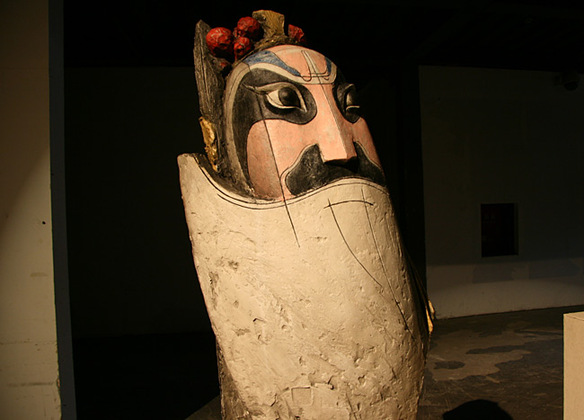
[131,109]
[520,34]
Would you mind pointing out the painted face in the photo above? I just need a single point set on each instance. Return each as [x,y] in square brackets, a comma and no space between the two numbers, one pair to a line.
[293,124]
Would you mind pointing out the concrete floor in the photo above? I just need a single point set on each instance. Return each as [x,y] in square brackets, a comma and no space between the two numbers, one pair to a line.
[502,366]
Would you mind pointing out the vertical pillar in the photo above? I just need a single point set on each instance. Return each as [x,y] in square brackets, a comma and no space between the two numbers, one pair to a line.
[573,366]
[29,378]
[58,206]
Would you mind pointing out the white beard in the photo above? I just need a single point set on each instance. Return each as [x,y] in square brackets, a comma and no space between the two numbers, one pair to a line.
[310,299]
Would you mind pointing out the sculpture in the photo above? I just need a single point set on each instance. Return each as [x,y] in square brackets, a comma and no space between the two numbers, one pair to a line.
[315,309]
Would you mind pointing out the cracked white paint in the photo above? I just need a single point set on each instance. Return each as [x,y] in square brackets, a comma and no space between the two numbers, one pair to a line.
[311,306]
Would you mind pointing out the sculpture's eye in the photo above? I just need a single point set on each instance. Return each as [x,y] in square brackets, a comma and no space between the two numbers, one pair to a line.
[287,97]
[347,100]
[282,95]
[351,104]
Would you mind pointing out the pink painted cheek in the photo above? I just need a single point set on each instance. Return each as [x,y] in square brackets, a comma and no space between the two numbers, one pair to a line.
[260,163]
[272,147]
[362,136]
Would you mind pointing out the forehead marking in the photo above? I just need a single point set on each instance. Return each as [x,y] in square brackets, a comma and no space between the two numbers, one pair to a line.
[298,64]
[268,57]
[313,70]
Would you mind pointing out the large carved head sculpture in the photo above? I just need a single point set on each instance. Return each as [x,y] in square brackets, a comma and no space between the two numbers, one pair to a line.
[315,309]
[287,122]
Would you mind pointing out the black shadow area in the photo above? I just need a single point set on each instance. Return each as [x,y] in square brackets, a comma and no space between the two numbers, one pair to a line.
[477,410]
[157,376]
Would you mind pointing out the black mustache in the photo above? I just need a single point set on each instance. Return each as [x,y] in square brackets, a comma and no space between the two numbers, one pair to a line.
[311,172]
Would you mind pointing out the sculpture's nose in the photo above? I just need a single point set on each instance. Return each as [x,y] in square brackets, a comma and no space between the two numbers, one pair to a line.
[335,135]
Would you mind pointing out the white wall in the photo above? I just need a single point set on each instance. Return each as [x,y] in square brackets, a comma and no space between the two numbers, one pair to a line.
[496,136]
[28,345]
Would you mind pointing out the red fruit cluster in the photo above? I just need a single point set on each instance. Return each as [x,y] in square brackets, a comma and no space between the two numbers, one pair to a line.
[226,44]
[220,42]
[229,45]
[296,33]
[247,31]
[248,27]
[241,46]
